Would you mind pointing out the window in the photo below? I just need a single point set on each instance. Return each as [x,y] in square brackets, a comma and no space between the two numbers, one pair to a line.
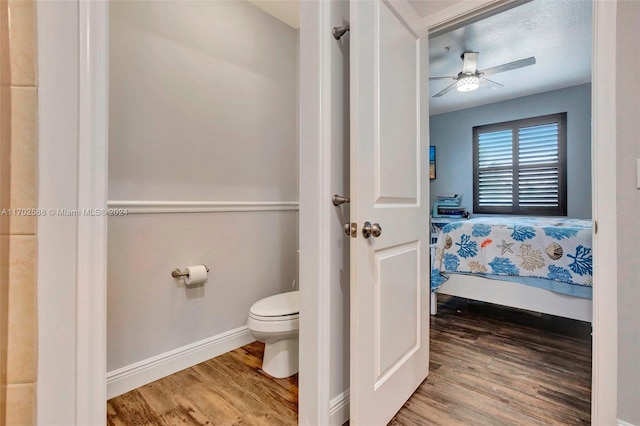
[520,167]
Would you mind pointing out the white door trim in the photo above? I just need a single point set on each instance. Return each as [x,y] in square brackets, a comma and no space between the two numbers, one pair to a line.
[72,175]
[460,13]
[315,214]
[604,392]
[91,273]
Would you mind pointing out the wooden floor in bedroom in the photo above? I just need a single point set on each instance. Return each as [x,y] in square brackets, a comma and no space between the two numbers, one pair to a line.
[489,366]
[498,366]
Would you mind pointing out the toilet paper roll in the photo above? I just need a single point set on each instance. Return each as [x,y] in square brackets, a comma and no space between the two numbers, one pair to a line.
[197,275]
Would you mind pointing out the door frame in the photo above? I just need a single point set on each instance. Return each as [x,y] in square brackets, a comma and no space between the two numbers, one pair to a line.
[315,214]
[88,339]
[315,177]
[603,162]
[72,166]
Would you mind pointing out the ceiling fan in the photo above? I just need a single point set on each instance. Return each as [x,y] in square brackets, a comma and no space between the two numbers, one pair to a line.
[469,78]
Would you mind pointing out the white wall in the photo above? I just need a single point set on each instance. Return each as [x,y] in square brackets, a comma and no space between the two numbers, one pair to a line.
[203,107]
[251,255]
[452,135]
[202,102]
[628,196]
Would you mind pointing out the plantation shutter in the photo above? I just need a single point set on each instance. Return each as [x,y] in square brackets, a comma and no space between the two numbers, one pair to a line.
[538,158]
[495,164]
[520,167]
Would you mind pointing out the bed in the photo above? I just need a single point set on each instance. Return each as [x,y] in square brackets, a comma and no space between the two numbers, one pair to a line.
[538,264]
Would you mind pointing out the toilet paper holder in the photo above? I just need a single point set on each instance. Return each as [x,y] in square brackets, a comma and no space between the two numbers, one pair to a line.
[177,273]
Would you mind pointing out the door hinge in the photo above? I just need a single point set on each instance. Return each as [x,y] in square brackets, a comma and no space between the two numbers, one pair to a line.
[595,226]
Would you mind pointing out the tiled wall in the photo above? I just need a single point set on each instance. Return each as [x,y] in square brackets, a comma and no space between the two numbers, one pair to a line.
[18,186]
[5,135]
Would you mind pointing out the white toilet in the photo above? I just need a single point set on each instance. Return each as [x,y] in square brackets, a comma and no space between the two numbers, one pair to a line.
[274,321]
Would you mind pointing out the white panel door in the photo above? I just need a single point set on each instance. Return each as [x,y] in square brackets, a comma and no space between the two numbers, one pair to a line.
[389,187]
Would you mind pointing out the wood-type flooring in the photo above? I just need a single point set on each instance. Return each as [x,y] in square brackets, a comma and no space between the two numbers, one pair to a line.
[489,366]
[492,365]
[230,389]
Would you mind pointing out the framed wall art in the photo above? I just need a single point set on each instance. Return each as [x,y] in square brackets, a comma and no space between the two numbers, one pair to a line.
[432,162]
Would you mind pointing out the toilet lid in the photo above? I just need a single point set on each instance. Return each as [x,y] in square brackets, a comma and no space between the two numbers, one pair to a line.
[278,305]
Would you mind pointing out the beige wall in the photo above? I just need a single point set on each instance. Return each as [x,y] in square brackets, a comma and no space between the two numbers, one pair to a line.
[5,114]
[628,199]
[18,165]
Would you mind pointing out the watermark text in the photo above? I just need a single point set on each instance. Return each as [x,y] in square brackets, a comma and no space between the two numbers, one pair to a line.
[63,212]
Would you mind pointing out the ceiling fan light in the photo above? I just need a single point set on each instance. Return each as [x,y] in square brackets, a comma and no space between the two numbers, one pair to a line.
[468,83]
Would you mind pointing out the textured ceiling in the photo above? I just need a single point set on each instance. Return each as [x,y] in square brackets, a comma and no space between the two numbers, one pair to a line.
[556,32]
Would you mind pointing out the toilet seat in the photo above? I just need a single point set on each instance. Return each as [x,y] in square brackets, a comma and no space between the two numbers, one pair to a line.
[284,306]
[292,317]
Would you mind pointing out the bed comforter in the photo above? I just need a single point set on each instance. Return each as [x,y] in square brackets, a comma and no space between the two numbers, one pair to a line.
[554,249]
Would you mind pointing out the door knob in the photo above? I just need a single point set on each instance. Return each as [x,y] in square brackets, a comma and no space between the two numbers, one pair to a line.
[371,230]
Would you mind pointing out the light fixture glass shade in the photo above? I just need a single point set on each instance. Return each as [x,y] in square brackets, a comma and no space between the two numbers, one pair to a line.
[468,83]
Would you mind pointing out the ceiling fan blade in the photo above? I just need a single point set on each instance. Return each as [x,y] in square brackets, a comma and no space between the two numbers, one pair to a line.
[493,82]
[441,78]
[446,90]
[469,62]
[510,66]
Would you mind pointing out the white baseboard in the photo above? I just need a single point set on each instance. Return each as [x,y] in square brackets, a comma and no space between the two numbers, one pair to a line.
[339,409]
[623,423]
[146,371]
